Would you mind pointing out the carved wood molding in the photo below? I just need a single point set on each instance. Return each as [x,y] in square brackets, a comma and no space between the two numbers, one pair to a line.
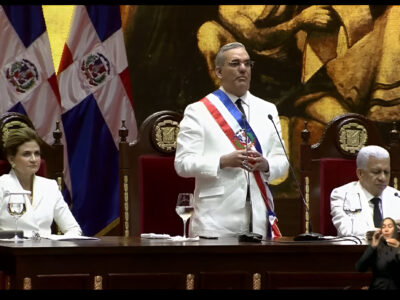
[190,281]
[256,281]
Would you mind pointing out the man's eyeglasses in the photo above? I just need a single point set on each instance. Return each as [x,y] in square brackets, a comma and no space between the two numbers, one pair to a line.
[237,63]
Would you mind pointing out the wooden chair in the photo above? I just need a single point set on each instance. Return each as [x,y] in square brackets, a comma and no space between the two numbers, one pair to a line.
[331,163]
[149,184]
[52,163]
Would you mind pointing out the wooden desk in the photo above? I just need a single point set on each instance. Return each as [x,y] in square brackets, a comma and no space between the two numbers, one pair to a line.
[131,263]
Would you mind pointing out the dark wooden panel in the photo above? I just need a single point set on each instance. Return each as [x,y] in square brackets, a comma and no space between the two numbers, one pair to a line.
[152,281]
[2,280]
[317,280]
[224,280]
[122,263]
[62,282]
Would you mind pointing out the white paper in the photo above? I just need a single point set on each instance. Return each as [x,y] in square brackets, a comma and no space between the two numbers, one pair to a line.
[155,236]
[165,236]
[182,239]
[61,237]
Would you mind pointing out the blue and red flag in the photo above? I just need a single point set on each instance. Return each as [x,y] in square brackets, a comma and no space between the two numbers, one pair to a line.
[95,96]
[28,82]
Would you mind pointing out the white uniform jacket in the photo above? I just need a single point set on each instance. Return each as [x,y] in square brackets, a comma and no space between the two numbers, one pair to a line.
[357,197]
[220,193]
[48,204]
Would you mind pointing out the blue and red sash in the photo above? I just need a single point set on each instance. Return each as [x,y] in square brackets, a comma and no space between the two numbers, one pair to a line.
[229,118]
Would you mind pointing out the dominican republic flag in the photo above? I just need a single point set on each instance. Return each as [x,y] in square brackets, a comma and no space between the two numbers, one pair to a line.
[96,97]
[28,83]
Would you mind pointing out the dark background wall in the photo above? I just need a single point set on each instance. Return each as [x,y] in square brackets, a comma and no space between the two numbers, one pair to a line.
[168,71]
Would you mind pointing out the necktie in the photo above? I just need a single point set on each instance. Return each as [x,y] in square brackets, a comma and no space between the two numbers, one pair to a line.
[240,106]
[377,212]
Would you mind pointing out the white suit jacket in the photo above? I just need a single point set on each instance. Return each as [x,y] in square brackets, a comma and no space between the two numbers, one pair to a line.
[362,221]
[48,204]
[220,193]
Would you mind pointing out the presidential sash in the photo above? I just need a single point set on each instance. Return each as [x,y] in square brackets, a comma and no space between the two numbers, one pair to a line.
[235,127]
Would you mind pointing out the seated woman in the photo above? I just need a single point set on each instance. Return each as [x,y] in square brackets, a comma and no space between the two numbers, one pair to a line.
[383,257]
[46,204]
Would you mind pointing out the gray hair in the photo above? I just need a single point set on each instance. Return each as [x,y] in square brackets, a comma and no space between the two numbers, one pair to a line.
[366,152]
[220,59]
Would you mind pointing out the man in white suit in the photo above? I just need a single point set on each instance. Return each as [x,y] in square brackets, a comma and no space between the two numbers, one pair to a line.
[353,209]
[231,171]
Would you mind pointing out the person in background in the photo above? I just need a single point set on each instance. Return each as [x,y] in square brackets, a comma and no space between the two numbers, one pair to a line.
[383,257]
[229,145]
[360,206]
[46,202]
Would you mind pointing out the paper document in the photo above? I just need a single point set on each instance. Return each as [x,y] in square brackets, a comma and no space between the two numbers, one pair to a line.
[155,236]
[60,237]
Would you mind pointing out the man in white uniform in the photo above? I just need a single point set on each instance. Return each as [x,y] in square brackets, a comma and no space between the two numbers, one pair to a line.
[360,206]
[231,194]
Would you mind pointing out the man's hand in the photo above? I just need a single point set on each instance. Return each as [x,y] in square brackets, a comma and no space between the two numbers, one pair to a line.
[250,160]
[234,159]
[257,162]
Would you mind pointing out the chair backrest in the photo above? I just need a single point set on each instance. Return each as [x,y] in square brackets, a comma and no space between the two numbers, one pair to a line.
[149,184]
[52,163]
[331,163]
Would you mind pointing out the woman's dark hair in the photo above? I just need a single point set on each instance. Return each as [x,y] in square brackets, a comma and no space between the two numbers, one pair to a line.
[17,137]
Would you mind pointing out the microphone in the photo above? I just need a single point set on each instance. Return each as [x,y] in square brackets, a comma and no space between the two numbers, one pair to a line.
[245,164]
[307,236]
[248,236]
[396,194]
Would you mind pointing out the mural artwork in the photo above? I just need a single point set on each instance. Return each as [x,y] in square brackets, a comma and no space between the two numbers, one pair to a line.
[314,62]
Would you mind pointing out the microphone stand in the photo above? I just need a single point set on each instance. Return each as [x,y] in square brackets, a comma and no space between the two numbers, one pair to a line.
[308,235]
[249,236]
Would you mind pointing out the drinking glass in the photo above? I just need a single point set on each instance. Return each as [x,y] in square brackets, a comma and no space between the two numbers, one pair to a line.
[16,207]
[184,208]
[352,206]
